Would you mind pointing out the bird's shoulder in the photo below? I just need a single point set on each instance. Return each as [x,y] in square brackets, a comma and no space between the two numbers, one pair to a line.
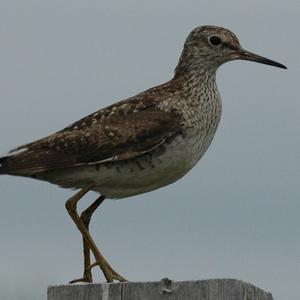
[133,107]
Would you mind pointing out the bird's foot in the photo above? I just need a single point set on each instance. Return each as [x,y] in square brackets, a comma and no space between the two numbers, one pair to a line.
[84,278]
[109,273]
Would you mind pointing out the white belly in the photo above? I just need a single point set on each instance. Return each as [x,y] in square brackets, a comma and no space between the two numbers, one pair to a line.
[145,173]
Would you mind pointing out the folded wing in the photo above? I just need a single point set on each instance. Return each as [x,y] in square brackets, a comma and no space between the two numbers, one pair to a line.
[108,135]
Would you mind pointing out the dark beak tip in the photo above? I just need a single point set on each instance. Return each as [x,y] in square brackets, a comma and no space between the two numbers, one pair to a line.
[279,65]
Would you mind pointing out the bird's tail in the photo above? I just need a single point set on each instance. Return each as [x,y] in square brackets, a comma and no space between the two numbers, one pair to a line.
[11,164]
[3,165]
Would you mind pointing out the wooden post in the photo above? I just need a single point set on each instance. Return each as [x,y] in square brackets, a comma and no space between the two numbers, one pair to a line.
[212,289]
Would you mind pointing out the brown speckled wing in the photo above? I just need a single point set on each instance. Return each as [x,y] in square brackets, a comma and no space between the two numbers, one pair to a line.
[119,132]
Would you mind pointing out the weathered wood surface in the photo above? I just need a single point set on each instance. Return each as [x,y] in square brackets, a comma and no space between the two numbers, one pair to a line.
[212,289]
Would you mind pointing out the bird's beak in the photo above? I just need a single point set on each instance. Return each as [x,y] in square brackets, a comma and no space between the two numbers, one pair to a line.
[247,55]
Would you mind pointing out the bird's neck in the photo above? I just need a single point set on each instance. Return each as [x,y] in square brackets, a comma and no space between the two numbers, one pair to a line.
[196,82]
[195,74]
[195,63]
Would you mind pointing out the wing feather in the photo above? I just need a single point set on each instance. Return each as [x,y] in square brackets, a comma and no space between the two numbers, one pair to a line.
[108,135]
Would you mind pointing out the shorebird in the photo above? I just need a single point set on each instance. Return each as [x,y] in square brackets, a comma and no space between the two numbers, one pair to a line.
[139,144]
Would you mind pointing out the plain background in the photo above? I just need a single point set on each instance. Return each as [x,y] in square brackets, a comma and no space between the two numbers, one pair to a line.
[235,215]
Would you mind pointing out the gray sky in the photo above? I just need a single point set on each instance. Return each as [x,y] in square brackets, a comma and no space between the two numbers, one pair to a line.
[236,214]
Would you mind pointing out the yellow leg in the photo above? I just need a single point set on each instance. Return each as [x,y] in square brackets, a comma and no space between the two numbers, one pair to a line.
[109,273]
[85,216]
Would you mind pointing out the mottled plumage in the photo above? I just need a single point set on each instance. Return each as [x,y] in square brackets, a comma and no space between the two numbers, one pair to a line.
[141,143]
[123,131]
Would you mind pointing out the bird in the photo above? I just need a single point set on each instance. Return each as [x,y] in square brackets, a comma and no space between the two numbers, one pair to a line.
[138,144]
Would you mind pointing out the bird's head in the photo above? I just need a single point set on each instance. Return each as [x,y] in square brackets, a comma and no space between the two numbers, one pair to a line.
[211,46]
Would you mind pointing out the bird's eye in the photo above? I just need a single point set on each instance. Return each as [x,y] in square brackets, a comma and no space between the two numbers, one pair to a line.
[214,40]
